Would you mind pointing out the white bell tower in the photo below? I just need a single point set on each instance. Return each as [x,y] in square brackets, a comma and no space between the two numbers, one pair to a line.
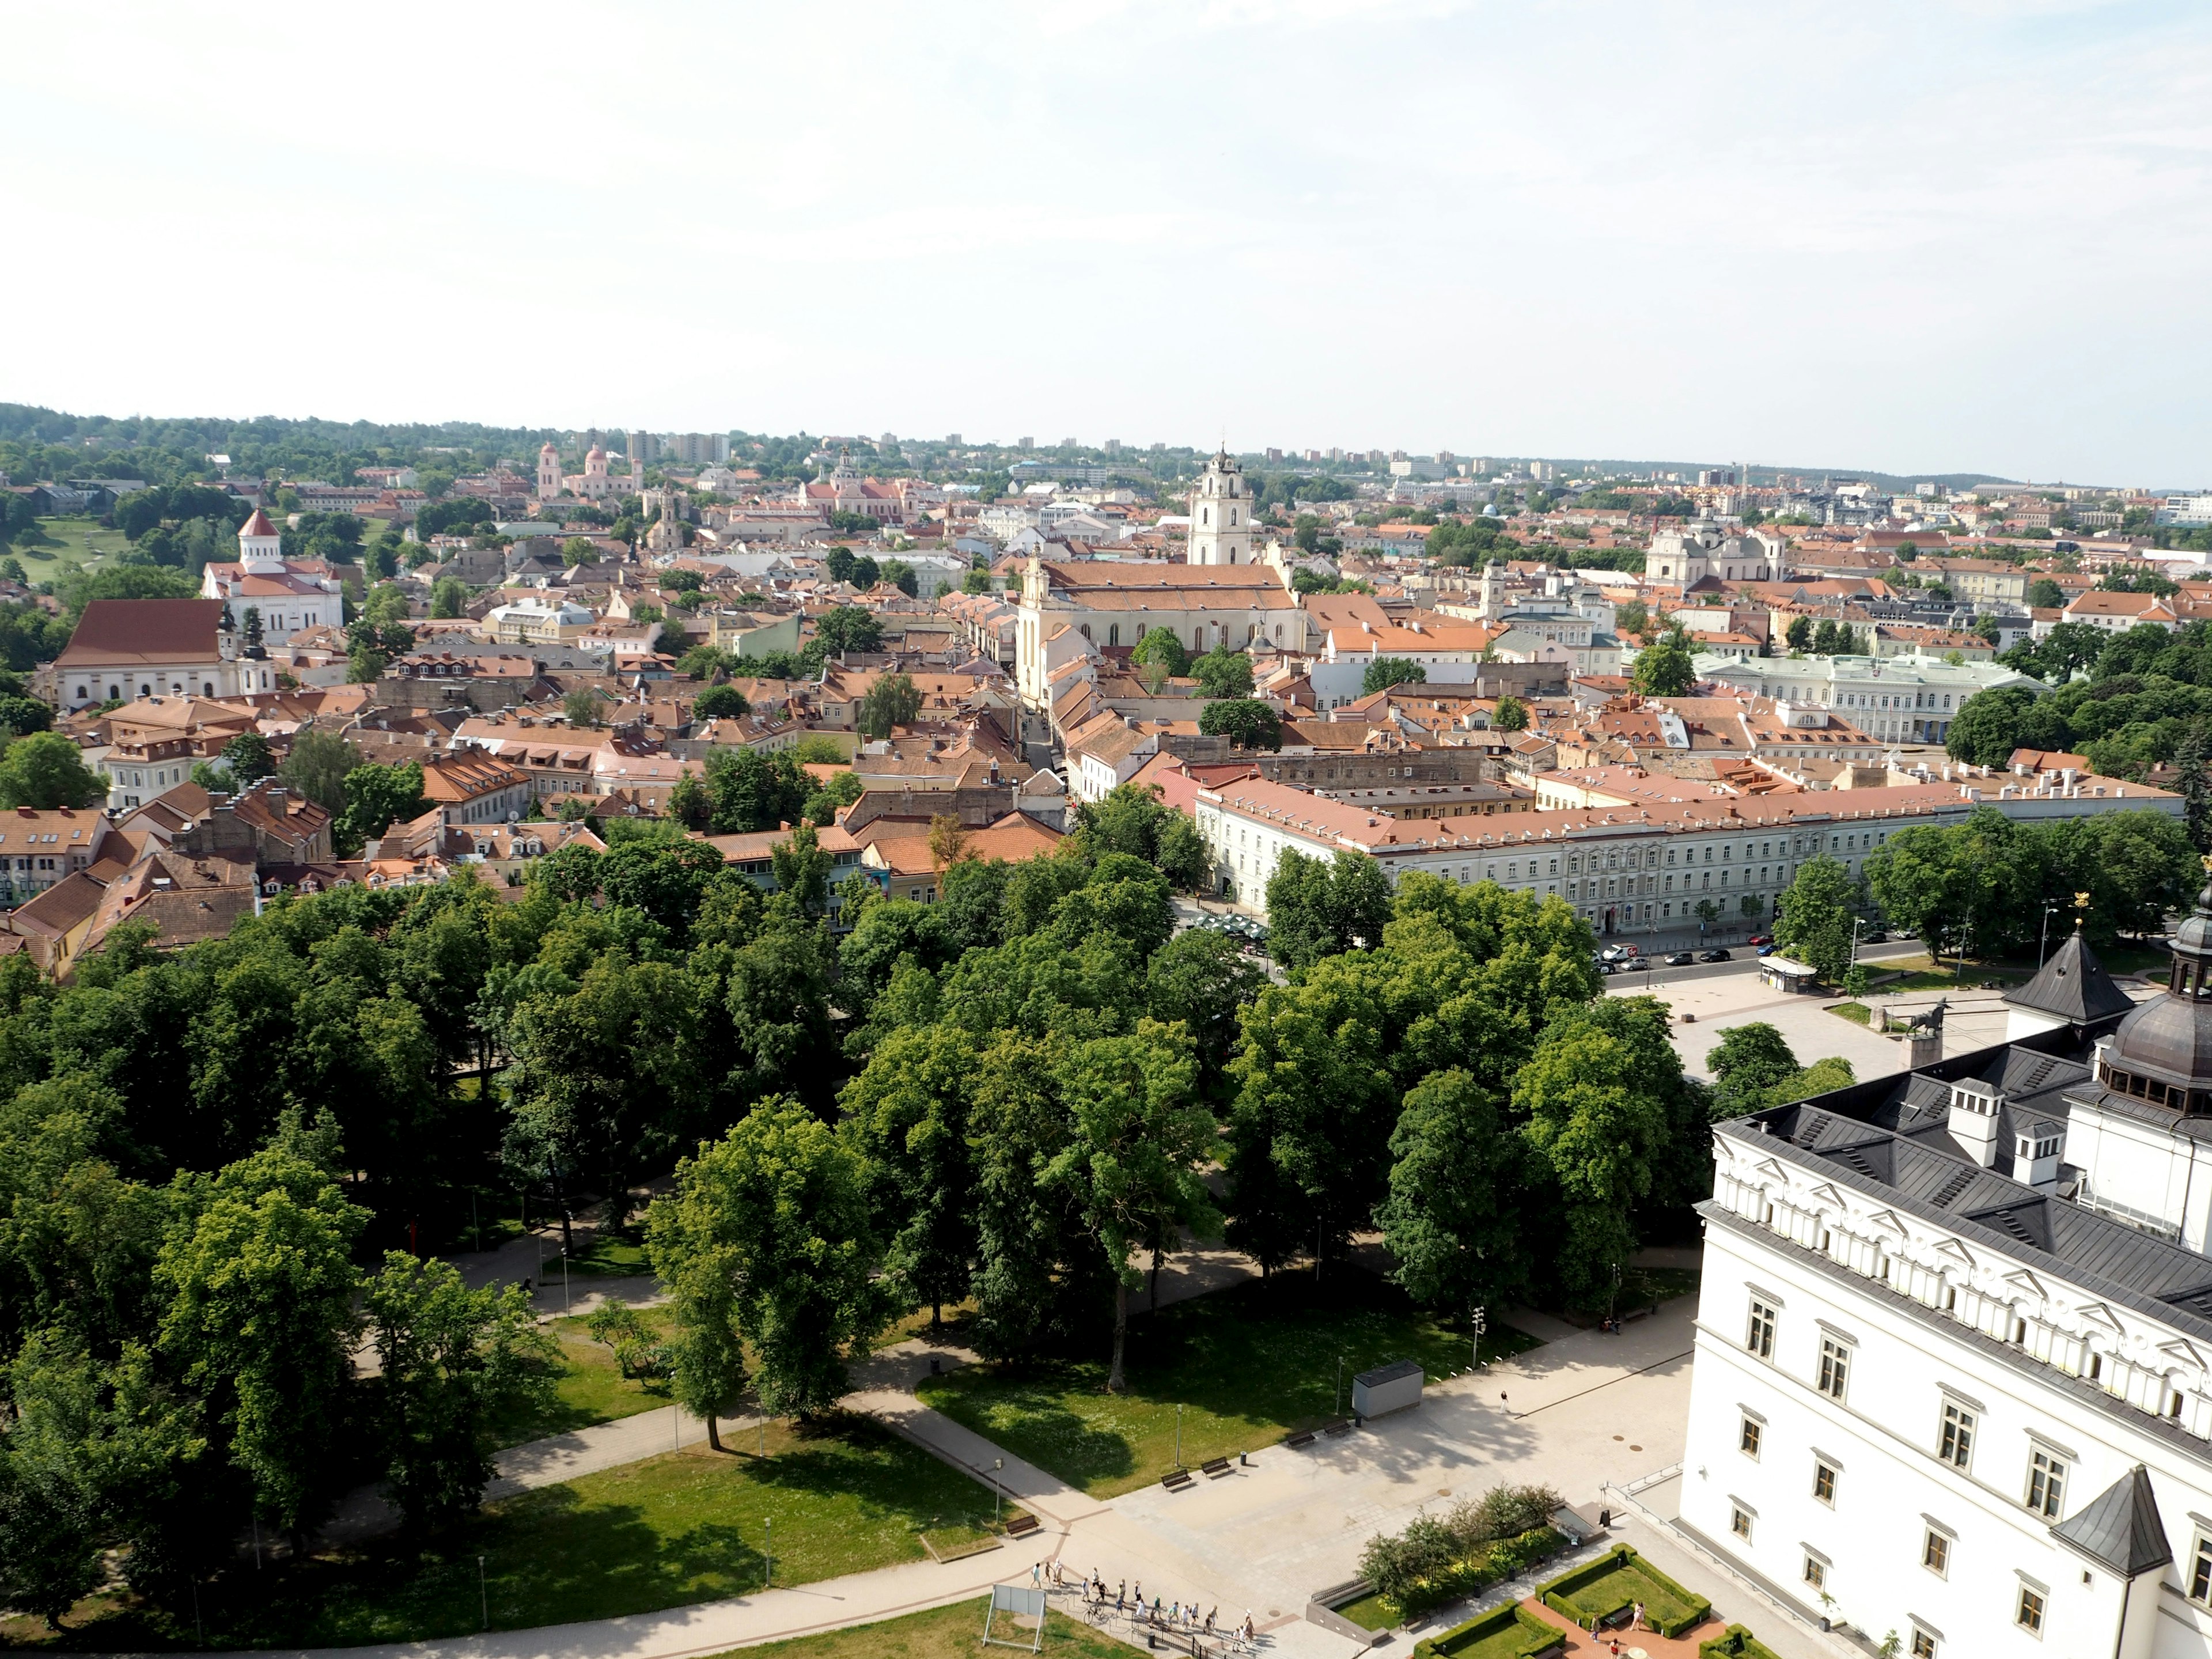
[1221,513]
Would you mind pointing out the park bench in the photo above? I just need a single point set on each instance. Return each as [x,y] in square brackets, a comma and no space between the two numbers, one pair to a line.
[1175,1480]
[1021,1525]
[1303,1437]
[1342,1425]
[1213,1467]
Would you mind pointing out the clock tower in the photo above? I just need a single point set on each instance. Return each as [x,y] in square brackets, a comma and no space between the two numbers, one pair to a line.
[1221,513]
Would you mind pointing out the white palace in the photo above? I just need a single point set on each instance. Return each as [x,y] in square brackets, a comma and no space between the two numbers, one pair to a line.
[1953,1372]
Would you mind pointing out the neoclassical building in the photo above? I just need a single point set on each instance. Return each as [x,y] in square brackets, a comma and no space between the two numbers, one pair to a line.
[1954,1373]
[1683,558]
[289,595]
[1105,606]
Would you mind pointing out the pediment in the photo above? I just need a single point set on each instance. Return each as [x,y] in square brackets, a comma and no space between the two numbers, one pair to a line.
[1955,1251]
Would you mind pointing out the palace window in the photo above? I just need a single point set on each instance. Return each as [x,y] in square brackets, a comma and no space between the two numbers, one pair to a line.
[1759,1338]
[2046,1484]
[2030,1616]
[1835,1368]
[1748,1436]
[1935,1552]
[1824,1482]
[1956,1447]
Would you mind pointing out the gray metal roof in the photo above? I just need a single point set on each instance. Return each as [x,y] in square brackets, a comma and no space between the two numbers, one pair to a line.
[2121,1529]
[2073,986]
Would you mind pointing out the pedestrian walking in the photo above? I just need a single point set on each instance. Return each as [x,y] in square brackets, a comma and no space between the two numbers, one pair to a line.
[1121,1594]
[1637,1621]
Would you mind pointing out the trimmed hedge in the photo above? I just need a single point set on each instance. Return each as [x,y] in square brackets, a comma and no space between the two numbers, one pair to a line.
[1564,1595]
[1536,1637]
[1735,1643]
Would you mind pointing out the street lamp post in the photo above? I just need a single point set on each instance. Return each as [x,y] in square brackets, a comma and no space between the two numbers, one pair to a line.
[2043,944]
[1481,1321]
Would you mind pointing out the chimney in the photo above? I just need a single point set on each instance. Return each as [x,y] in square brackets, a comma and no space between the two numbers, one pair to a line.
[1974,1108]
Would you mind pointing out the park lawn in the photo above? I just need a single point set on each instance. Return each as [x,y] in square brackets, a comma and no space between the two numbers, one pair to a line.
[590,1388]
[61,546]
[1857,1012]
[940,1634]
[607,1254]
[845,1495]
[1248,1365]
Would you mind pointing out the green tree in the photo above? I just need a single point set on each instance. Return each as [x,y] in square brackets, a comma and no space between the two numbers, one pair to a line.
[1748,1063]
[317,765]
[846,627]
[1798,635]
[1955,885]
[1663,669]
[720,703]
[1588,1099]
[2191,758]
[1630,617]
[259,1283]
[696,1260]
[1319,908]
[891,701]
[781,1205]
[1223,673]
[21,716]
[1512,715]
[2044,594]
[1135,820]
[46,770]
[248,759]
[1384,672]
[1204,979]
[908,1112]
[1451,1221]
[1139,1138]
[1815,920]
[449,596]
[802,869]
[1247,722]
[584,707]
[1162,646]
[1988,725]
[453,1362]
[377,796]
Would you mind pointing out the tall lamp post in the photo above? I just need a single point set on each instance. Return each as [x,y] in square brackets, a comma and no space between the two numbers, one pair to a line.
[2043,944]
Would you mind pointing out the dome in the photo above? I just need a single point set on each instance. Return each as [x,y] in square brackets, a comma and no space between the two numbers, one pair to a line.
[2162,1052]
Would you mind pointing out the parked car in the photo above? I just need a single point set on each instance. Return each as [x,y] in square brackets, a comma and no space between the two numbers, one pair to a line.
[1681,958]
[1768,949]
[1605,967]
[1874,936]
[1611,953]
[1716,955]
[1761,938]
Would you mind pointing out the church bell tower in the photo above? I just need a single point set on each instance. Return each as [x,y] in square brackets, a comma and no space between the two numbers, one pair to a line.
[1221,513]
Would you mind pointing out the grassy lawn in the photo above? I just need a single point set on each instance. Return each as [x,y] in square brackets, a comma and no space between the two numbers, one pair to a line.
[845,1495]
[62,546]
[1624,1581]
[1370,1613]
[1248,1366]
[591,1388]
[604,1253]
[941,1633]
[1857,1012]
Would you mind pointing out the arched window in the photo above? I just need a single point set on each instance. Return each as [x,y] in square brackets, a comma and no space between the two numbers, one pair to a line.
[1114,633]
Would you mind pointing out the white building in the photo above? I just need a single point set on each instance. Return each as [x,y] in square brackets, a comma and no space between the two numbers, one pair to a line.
[285,595]
[1684,557]
[1894,699]
[1947,1384]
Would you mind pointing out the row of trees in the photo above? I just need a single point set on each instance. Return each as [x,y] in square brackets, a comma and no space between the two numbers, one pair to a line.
[1994,884]
[2139,697]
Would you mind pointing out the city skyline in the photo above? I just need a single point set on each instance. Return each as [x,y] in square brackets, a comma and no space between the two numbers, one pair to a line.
[1948,239]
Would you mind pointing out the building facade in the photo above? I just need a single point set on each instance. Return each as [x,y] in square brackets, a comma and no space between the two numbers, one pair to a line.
[1944,1386]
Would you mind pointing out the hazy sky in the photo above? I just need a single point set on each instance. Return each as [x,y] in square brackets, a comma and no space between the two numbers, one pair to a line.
[1948,234]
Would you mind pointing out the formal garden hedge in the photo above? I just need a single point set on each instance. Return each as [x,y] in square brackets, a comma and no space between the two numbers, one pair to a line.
[1506,1632]
[1594,1593]
[1735,1643]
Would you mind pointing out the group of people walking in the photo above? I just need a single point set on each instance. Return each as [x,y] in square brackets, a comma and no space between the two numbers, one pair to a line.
[1159,1614]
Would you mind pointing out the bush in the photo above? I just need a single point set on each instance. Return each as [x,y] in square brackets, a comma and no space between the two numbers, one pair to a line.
[1735,1643]
[639,1355]
[1430,1562]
